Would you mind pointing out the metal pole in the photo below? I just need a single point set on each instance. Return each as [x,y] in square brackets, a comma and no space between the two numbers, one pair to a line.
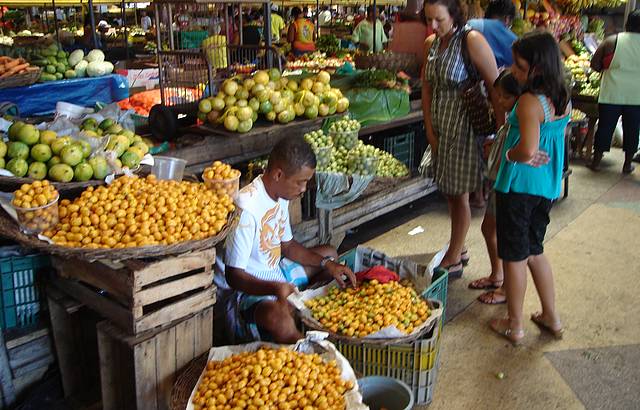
[240,24]
[170,13]
[159,52]
[375,24]
[267,32]
[124,26]
[317,31]
[92,19]
[55,21]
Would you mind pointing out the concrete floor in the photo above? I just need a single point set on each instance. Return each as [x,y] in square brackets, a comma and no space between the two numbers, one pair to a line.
[592,243]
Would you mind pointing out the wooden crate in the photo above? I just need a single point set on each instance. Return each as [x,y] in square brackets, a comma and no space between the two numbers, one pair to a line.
[138,372]
[140,295]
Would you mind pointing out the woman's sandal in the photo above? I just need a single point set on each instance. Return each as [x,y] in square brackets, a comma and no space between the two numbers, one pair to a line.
[464,257]
[493,297]
[486,283]
[555,329]
[455,274]
[503,328]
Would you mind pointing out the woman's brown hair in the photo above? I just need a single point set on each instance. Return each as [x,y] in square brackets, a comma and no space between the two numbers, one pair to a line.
[456,11]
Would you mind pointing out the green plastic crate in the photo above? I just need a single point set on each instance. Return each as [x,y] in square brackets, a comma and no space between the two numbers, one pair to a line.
[192,39]
[402,147]
[20,298]
[415,363]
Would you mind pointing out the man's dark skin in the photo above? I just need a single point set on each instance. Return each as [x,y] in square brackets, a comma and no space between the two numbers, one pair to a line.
[275,316]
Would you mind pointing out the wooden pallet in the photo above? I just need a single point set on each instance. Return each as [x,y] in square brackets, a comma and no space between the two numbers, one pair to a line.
[140,295]
[138,372]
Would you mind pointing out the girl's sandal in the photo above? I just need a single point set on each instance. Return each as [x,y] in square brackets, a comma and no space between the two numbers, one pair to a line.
[493,297]
[555,329]
[503,328]
[486,283]
[453,274]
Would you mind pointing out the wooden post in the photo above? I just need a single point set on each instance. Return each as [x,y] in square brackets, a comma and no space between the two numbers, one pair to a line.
[6,382]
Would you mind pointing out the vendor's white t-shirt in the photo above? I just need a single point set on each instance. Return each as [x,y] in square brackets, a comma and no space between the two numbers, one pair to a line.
[254,244]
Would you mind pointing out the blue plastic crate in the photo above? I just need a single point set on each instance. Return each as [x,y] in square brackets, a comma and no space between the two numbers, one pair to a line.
[19,295]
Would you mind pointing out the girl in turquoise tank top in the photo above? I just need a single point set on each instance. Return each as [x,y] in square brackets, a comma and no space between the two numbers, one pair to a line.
[529,179]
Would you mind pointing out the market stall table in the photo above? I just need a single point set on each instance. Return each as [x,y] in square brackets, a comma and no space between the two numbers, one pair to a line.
[41,98]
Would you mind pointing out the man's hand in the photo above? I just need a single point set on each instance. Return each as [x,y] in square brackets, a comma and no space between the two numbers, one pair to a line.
[283,290]
[339,272]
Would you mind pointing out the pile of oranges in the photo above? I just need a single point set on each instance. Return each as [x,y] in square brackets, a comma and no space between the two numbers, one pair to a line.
[271,378]
[32,206]
[374,306]
[135,211]
[222,179]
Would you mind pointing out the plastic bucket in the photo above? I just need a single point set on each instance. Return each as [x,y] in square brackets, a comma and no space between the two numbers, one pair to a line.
[385,392]
[168,168]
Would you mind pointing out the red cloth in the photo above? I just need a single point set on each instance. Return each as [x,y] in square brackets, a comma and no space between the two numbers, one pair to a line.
[379,273]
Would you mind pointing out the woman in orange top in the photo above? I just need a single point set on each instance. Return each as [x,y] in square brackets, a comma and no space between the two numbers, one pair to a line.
[300,33]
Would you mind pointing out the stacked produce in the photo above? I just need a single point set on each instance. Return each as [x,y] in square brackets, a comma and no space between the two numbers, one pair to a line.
[134,211]
[256,379]
[141,102]
[39,154]
[342,152]
[359,312]
[382,79]
[578,6]
[276,98]
[318,61]
[57,64]
[10,67]
[577,115]
[35,206]
[587,82]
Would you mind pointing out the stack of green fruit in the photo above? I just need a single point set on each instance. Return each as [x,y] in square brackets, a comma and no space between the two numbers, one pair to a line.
[274,97]
[344,132]
[366,160]
[58,64]
[128,147]
[41,154]
[322,145]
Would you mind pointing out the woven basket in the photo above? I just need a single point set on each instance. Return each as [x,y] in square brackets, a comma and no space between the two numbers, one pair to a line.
[10,229]
[186,381]
[29,77]
[336,337]
[393,62]
[13,183]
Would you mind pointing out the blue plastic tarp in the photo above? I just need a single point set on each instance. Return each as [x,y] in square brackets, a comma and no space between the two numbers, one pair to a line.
[41,98]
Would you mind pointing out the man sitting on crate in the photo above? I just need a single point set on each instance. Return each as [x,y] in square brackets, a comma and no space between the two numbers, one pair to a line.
[264,265]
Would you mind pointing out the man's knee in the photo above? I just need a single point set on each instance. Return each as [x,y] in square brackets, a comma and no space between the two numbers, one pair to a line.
[272,316]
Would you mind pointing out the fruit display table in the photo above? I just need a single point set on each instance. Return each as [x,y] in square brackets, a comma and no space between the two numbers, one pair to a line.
[41,98]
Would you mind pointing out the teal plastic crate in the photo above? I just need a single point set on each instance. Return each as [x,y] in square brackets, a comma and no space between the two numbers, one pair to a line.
[192,39]
[361,257]
[20,298]
[402,147]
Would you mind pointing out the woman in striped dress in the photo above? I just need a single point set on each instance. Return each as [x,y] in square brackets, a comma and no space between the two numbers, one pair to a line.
[458,160]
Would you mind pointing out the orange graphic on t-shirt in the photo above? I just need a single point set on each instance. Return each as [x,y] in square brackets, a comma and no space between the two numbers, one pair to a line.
[270,236]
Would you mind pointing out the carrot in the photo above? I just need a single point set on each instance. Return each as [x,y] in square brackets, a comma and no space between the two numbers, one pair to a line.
[16,69]
[4,59]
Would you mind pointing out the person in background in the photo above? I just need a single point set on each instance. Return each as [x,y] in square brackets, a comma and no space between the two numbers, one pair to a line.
[454,146]
[250,30]
[495,28]
[360,16]
[530,179]
[324,18]
[263,263]
[277,24]
[300,33]
[363,33]
[145,22]
[618,58]
[508,91]
[410,32]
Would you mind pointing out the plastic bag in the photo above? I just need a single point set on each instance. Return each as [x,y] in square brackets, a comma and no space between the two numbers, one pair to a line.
[335,190]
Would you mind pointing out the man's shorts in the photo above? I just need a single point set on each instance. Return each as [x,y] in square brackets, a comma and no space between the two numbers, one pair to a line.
[521,222]
[243,306]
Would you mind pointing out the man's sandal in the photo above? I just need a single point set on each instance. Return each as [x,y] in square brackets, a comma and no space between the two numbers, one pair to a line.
[503,328]
[555,329]
[486,283]
[453,274]
[493,297]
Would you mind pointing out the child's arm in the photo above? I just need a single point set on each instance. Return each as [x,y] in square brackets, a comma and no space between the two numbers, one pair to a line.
[530,116]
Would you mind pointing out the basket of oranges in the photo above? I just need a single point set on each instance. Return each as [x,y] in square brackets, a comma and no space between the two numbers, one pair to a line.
[131,218]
